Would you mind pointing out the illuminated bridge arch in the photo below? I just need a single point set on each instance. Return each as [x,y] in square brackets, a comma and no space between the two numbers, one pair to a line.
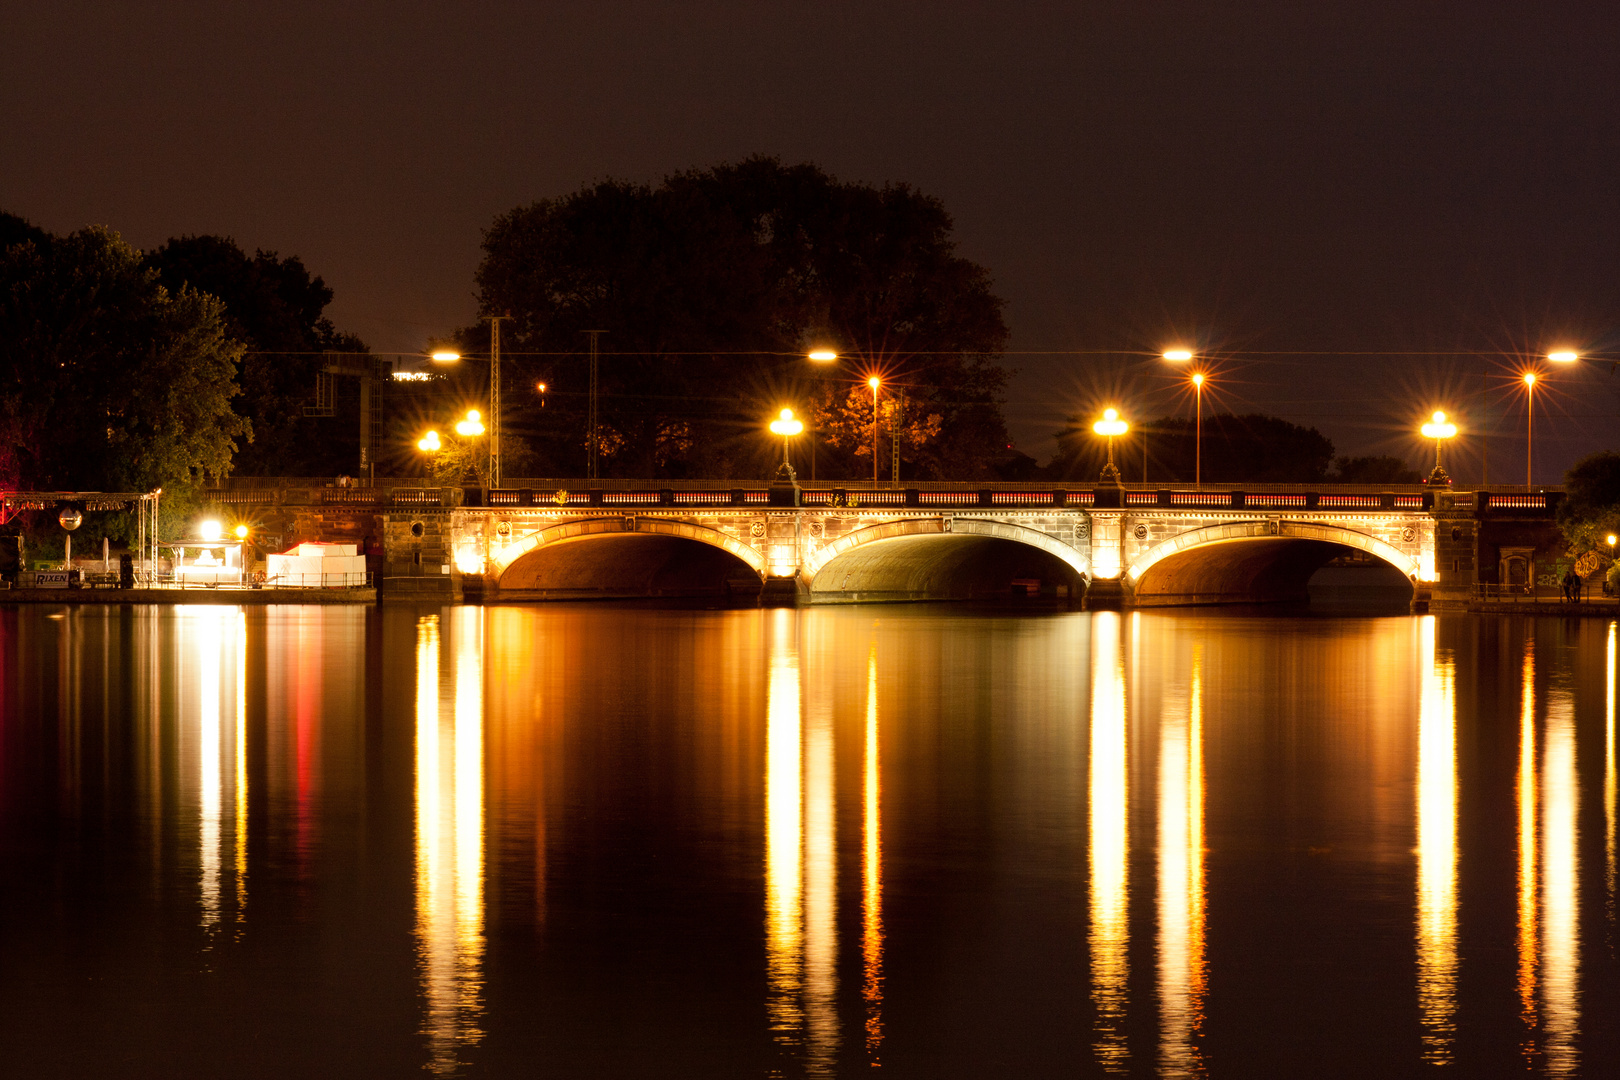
[502,559]
[1259,560]
[940,559]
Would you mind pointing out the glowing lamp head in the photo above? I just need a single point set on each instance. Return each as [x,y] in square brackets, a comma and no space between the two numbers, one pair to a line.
[210,530]
[241,532]
[472,425]
[1178,355]
[444,356]
[785,425]
[874,382]
[1110,424]
[1530,379]
[823,356]
[1563,356]
[429,443]
[1437,428]
[1613,539]
[1198,379]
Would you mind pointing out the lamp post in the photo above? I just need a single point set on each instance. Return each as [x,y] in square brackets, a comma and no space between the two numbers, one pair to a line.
[818,356]
[1110,427]
[1529,422]
[786,426]
[1178,356]
[874,382]
[450,356]
[1438,429]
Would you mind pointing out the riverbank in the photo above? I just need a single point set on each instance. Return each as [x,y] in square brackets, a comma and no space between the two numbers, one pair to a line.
[250,597]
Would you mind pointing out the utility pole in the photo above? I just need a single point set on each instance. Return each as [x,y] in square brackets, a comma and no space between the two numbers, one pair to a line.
[894,437]
[495,398]
[592,438]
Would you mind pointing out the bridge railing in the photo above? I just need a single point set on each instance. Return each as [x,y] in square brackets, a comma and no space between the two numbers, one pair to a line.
[937,496]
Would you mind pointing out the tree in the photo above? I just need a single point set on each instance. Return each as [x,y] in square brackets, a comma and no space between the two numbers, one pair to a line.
[1251,449]
[275,308]
[108,380]
[1590,510]
[1374,470]
[710,287]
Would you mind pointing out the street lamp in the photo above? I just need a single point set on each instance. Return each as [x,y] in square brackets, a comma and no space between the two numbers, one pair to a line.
[786,426]
[470,425]
[1439,430]
[1529,422]
[429,443]
[874,382]
[1197,379]
[823,356]
[1110,427]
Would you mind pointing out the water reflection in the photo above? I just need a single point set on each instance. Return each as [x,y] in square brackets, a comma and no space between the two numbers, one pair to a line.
[872,869]
[1437,846]
[1109,855]
[1549,877]
[1181,880]
[212,648]
[450,837]
[801,859]
[1609,783]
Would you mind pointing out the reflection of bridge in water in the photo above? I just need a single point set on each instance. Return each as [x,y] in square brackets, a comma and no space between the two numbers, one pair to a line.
[1101,546]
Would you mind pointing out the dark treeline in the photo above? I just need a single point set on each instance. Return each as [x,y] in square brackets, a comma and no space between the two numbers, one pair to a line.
[710,287]
[1253,449]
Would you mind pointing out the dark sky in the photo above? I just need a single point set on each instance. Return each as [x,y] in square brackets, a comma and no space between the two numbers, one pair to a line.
[1265,179]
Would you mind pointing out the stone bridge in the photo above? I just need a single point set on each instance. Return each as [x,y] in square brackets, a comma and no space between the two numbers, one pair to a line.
[1101,546]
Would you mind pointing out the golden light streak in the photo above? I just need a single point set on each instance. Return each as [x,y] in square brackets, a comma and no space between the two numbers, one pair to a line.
[1609,783]
[784,896]
[210,780]
[1527,851]
[449,840]
[241,780]
[1560,915]
[1437,848]
[1182,977]
[872,871]
[1109,809]
[820,897]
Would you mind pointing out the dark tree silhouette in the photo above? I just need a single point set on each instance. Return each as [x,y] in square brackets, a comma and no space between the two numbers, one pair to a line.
[710,286]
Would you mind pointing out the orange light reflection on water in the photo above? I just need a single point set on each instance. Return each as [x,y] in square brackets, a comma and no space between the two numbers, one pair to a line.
[1436,847]
[1109,843]
[1182,974]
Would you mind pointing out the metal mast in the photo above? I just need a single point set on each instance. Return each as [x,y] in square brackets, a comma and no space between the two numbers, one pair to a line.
[592,436]
[495,398]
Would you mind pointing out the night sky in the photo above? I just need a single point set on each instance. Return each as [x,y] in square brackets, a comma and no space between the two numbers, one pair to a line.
[1264,180]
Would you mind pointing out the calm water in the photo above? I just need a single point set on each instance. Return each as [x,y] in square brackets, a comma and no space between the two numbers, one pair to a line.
[599,841]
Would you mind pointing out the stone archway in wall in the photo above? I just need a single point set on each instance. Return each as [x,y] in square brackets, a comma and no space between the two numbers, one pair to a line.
[601,557]
[1249,561]
[943,558]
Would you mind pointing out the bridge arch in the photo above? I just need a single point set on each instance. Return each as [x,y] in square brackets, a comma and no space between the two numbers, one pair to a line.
[601,558]
[942,558]
[1241,561]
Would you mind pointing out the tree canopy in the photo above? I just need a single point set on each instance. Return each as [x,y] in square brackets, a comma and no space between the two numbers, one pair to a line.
[1252,449]
[1590,511]
[710,287]
[275,307]
[108,380]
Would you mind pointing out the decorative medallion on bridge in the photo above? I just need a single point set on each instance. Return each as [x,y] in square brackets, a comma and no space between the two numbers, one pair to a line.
[945,524]
[503,529]
[1141,532]
[815,529]
[1456,532]
[1409,534]
[1274,526]
[1082,531]
[628,523]
[757,529]
[561,498]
